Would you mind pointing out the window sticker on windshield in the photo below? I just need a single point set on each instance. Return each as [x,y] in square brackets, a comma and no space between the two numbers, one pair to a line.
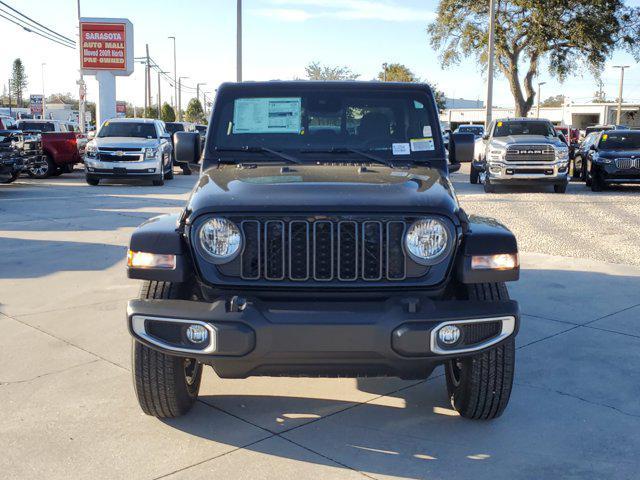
[401,149]
[426,131]
[604,137]
[499,124]
[267,115]
[422,144]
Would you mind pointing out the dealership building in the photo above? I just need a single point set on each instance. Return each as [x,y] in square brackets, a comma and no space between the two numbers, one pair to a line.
[578,115]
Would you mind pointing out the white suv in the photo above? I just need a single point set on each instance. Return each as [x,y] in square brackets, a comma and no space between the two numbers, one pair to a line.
[129,148]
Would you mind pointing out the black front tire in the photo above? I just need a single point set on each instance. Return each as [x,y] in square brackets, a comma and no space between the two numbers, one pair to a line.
[474,175]
[597,184]
[560,187]
[166,386]
[479,386]
[488,186]
[93,181]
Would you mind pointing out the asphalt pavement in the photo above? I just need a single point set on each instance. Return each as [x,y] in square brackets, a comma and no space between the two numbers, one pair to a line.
[69,411]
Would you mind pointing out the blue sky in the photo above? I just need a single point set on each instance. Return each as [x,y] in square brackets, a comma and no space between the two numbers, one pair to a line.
[281,37]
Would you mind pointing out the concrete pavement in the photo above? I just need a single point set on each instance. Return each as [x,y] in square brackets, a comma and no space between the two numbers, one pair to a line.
[69,410]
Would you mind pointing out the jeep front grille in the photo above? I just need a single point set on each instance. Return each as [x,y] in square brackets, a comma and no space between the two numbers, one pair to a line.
[323,250]
[530,153]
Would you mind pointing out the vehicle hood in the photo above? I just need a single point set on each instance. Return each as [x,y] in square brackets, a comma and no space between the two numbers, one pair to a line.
[619,153]
[526,140]
[322,188]
[126,142]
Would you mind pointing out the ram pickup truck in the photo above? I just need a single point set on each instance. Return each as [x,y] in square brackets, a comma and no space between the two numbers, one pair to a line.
[59,147]
[323,238]
[521,151]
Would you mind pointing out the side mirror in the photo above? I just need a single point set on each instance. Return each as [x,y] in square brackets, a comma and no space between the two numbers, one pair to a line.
[461,148]
[186,147]
[592,147]
[485,136]
[166,136]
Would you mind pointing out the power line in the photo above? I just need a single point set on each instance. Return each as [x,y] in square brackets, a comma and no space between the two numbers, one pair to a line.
[36,23]
[36,32]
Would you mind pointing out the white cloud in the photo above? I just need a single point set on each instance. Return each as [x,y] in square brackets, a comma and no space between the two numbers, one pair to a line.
[302,10]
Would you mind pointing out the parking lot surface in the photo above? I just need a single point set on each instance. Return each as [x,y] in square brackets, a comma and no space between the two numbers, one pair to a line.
[69,410]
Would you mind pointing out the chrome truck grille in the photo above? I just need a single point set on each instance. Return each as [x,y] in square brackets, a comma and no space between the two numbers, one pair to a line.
[323,250]
[530,153]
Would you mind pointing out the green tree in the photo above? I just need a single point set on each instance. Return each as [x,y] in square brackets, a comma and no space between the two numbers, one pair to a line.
[167,113]
[565,33]
[554,101]
[150,112]
[317,71]
[18,81]
[599,96]
[396,72]
[194,112]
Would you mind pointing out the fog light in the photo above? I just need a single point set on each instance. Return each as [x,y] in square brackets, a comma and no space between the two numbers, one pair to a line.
[151,170]
[449,334]
[197,333]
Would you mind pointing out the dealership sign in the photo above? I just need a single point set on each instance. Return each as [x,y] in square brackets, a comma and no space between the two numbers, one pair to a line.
[35,104]
[121,109]
[106,51]
[104,46]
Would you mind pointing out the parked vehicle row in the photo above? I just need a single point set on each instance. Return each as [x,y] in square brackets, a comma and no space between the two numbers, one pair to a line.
[17,154]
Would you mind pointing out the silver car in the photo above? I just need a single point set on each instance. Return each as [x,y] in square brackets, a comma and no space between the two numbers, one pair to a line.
[129,148]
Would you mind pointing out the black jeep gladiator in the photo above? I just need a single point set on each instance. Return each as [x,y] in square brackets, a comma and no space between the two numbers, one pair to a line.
[323,238]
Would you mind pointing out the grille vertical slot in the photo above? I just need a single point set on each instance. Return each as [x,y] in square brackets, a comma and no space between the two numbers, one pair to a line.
[299,250]
[347,250]
[396,259]
[274,250]
[323,250]
[372,250]
[250,265]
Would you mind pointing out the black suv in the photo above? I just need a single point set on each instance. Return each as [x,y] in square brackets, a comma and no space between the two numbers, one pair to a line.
[323,238]
[614,158]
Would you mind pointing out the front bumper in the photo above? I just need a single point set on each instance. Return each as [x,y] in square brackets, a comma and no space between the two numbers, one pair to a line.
[140,169]
[394,337]
[528,172]
[610,173]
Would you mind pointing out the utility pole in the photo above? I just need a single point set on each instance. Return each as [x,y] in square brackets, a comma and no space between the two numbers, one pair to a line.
[490,58]
[384,72]
[239,41]
[619,114]
[198,89]
[146,91]
[149,103]
[175,74]
[82,92]
[44,96]
[538,109]
[160,72]
[179,113]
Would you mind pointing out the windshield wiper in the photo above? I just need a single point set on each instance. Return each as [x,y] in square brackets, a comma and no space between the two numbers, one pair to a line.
[247,148]
[338,150]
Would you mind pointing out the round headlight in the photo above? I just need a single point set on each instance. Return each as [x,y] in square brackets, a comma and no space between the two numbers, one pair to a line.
[427,241]
[219,239]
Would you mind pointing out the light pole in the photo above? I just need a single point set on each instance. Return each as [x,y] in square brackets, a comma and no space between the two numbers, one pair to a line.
[180,97]
[175,72]
[384,72]
[44,102]
[619,114]
[538,109]
[492,28]
[198,89]
[239,41]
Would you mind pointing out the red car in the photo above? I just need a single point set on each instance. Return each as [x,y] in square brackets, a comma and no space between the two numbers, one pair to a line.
[60,147]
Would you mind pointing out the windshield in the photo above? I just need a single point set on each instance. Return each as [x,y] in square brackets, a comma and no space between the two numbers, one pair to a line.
[175,127]
[390,123]
[627,140]
[128,129]
[504,128]
[475,129]
[37,126]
